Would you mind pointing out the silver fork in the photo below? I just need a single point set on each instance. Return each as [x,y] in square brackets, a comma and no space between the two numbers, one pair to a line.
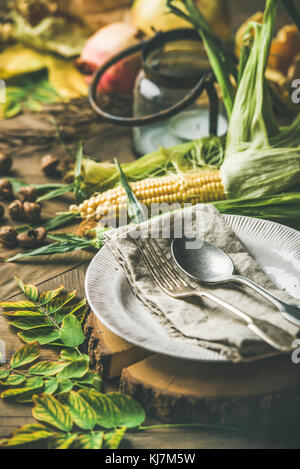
[171,283]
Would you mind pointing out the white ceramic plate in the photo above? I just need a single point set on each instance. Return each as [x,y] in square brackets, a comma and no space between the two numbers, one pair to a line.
[275,247]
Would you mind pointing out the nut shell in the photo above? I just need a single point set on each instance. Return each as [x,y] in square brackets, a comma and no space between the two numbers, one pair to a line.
[28,194]
[8,236]
[16,210]
[32,211]
[49,165]
[32,239]
[6,189]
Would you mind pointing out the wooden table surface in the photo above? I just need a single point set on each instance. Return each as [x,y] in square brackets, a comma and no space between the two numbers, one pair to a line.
[282,434]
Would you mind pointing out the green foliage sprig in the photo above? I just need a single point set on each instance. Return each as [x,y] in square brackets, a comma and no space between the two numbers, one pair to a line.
[69,408]
[68,405]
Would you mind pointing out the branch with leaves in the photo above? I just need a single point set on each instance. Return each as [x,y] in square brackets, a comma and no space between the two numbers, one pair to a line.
[68,406]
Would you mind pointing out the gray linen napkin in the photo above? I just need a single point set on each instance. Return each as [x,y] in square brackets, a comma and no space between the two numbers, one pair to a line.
[195,320]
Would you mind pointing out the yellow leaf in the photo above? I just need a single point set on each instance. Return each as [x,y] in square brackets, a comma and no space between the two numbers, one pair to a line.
[50,410]
[65,79]
[18,60]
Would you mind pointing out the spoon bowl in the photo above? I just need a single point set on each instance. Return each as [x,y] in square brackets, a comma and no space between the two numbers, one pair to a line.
[202,261]
[210,265]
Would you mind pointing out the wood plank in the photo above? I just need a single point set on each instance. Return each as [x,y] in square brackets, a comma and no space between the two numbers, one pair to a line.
[13,415]
[181,391]
[109,353]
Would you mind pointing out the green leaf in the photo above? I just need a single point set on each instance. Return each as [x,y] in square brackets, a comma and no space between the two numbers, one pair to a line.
[135,209]
[29,290]
[31,385]
[23,313]
[114,409]
[75,369]
[78,310]
[71,331]
[93,440]
[17,184]
[50,295]
[59,221]
[50,410]
[46,368]
[112,440]
[17,305]
[78,164]
[4,373]
[72,356]
[55,248]
[29,323]
[62,442]
[65,385]
[51,386]
[57,303]
[57,192]
[13,380]
[91,379]
[27,434]
[43,335]
[26,354]
[82,413]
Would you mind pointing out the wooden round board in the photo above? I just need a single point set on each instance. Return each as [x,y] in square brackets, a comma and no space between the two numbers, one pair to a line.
[178,391]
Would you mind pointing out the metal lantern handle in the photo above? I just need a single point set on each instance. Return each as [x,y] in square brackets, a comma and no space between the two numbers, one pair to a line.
[206,82]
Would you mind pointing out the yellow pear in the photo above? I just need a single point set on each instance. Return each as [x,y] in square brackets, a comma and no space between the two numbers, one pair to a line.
[149,14]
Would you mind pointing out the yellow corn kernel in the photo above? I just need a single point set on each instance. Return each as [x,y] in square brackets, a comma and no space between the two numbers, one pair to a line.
[197,187]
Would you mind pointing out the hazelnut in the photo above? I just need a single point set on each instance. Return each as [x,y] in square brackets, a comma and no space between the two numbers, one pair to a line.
[6,189]
[5,162]
[32,211]
[32,238]
[28,194]
[1,212]
[41,234]
[16,210]
[8,236]
[49,165]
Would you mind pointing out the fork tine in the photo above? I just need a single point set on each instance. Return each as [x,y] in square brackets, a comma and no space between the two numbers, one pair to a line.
[160,280]
[161,262]
[169,266]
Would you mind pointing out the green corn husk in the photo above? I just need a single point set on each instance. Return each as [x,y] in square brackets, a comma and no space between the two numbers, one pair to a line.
[281,208]
[260,158]
[203,153]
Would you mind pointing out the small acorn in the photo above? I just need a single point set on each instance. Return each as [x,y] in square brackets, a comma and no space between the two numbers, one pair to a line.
[8,236]
[6,189]
[6,162]
[28,194]
[32,239]
[16,210]
[49,165]
[32,211]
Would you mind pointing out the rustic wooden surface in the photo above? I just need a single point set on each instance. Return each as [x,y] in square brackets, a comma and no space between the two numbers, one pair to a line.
[283,434]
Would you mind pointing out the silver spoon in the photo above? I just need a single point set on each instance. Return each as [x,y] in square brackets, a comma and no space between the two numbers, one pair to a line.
[208,264]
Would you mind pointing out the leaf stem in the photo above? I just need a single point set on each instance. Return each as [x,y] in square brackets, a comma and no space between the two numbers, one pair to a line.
[186,425]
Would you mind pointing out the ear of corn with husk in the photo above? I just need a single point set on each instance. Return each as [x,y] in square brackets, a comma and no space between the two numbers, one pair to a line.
[261,159]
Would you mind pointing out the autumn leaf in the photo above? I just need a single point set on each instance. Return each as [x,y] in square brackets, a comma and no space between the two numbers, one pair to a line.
[26,354]
[50,410]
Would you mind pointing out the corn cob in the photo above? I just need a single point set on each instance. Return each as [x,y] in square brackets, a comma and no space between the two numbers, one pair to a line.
[198,187]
